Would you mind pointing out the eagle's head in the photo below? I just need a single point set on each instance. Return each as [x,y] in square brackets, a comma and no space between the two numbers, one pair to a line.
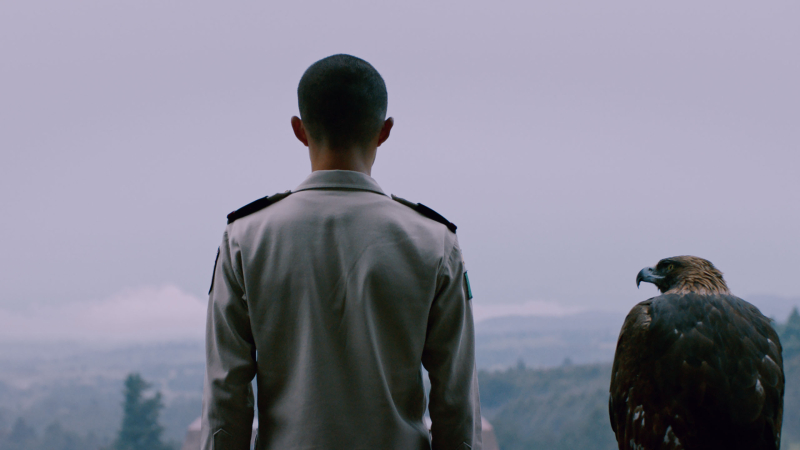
[684,275]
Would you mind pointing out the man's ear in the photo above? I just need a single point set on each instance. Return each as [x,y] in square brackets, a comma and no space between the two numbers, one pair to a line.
[385,131]
[300,130]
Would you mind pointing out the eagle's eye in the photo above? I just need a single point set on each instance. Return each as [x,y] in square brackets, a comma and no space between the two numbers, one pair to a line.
[670,267]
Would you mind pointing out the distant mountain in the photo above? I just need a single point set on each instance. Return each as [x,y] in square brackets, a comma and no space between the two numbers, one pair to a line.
[581,338]
[537,341]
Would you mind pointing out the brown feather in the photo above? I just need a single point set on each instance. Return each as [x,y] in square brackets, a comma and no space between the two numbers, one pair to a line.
[694,275]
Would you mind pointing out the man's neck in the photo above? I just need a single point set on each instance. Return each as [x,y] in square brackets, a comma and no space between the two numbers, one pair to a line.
[357,160]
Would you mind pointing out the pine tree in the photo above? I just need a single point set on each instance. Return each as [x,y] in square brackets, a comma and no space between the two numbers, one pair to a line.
[21,437]
[790,337]
[140,429]
[55,437]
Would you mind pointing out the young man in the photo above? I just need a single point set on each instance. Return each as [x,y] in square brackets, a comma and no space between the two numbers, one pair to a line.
[333,295]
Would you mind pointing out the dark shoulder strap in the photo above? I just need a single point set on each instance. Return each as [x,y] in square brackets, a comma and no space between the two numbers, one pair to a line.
[427,212]
[256,206]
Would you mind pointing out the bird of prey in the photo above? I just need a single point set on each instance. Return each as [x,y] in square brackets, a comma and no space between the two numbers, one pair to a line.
[696,368]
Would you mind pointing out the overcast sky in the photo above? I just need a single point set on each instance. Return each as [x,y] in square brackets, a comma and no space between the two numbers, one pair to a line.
[572,142]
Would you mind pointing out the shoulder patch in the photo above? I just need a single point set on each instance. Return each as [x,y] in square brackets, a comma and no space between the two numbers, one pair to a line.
[256,206]
[427,212]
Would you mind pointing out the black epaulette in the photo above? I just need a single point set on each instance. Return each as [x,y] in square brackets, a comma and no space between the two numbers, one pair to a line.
[427,212]
[255,206]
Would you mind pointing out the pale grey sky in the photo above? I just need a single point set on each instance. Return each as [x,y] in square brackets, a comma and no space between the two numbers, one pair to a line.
[572,142]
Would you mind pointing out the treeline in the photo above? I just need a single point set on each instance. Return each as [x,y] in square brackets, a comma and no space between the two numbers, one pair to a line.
[557,409]
[22,436]
[789,333]
[554,409]
[140,429]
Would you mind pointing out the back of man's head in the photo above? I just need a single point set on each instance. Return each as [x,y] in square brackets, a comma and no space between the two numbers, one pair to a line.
[342,101]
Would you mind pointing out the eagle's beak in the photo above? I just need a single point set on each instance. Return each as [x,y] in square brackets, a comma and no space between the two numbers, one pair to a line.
[647,275]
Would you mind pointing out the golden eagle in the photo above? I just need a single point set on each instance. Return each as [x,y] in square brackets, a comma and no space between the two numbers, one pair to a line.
[696,368]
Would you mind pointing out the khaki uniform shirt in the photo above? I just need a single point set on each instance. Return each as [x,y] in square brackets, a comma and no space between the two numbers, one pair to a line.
[333,298]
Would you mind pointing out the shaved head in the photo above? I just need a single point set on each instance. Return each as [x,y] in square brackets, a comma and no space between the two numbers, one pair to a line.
[342,101]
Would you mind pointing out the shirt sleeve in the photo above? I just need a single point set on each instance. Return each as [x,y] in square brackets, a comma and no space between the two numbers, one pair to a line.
[228,404]
[449,358]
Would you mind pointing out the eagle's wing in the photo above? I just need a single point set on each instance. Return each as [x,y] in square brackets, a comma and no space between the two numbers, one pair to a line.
[697,372]
[628,391]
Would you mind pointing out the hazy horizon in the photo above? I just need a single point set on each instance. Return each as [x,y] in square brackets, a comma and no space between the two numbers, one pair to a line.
[153,315]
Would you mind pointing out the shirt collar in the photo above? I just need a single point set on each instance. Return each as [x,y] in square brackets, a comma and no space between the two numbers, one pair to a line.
[340,180]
